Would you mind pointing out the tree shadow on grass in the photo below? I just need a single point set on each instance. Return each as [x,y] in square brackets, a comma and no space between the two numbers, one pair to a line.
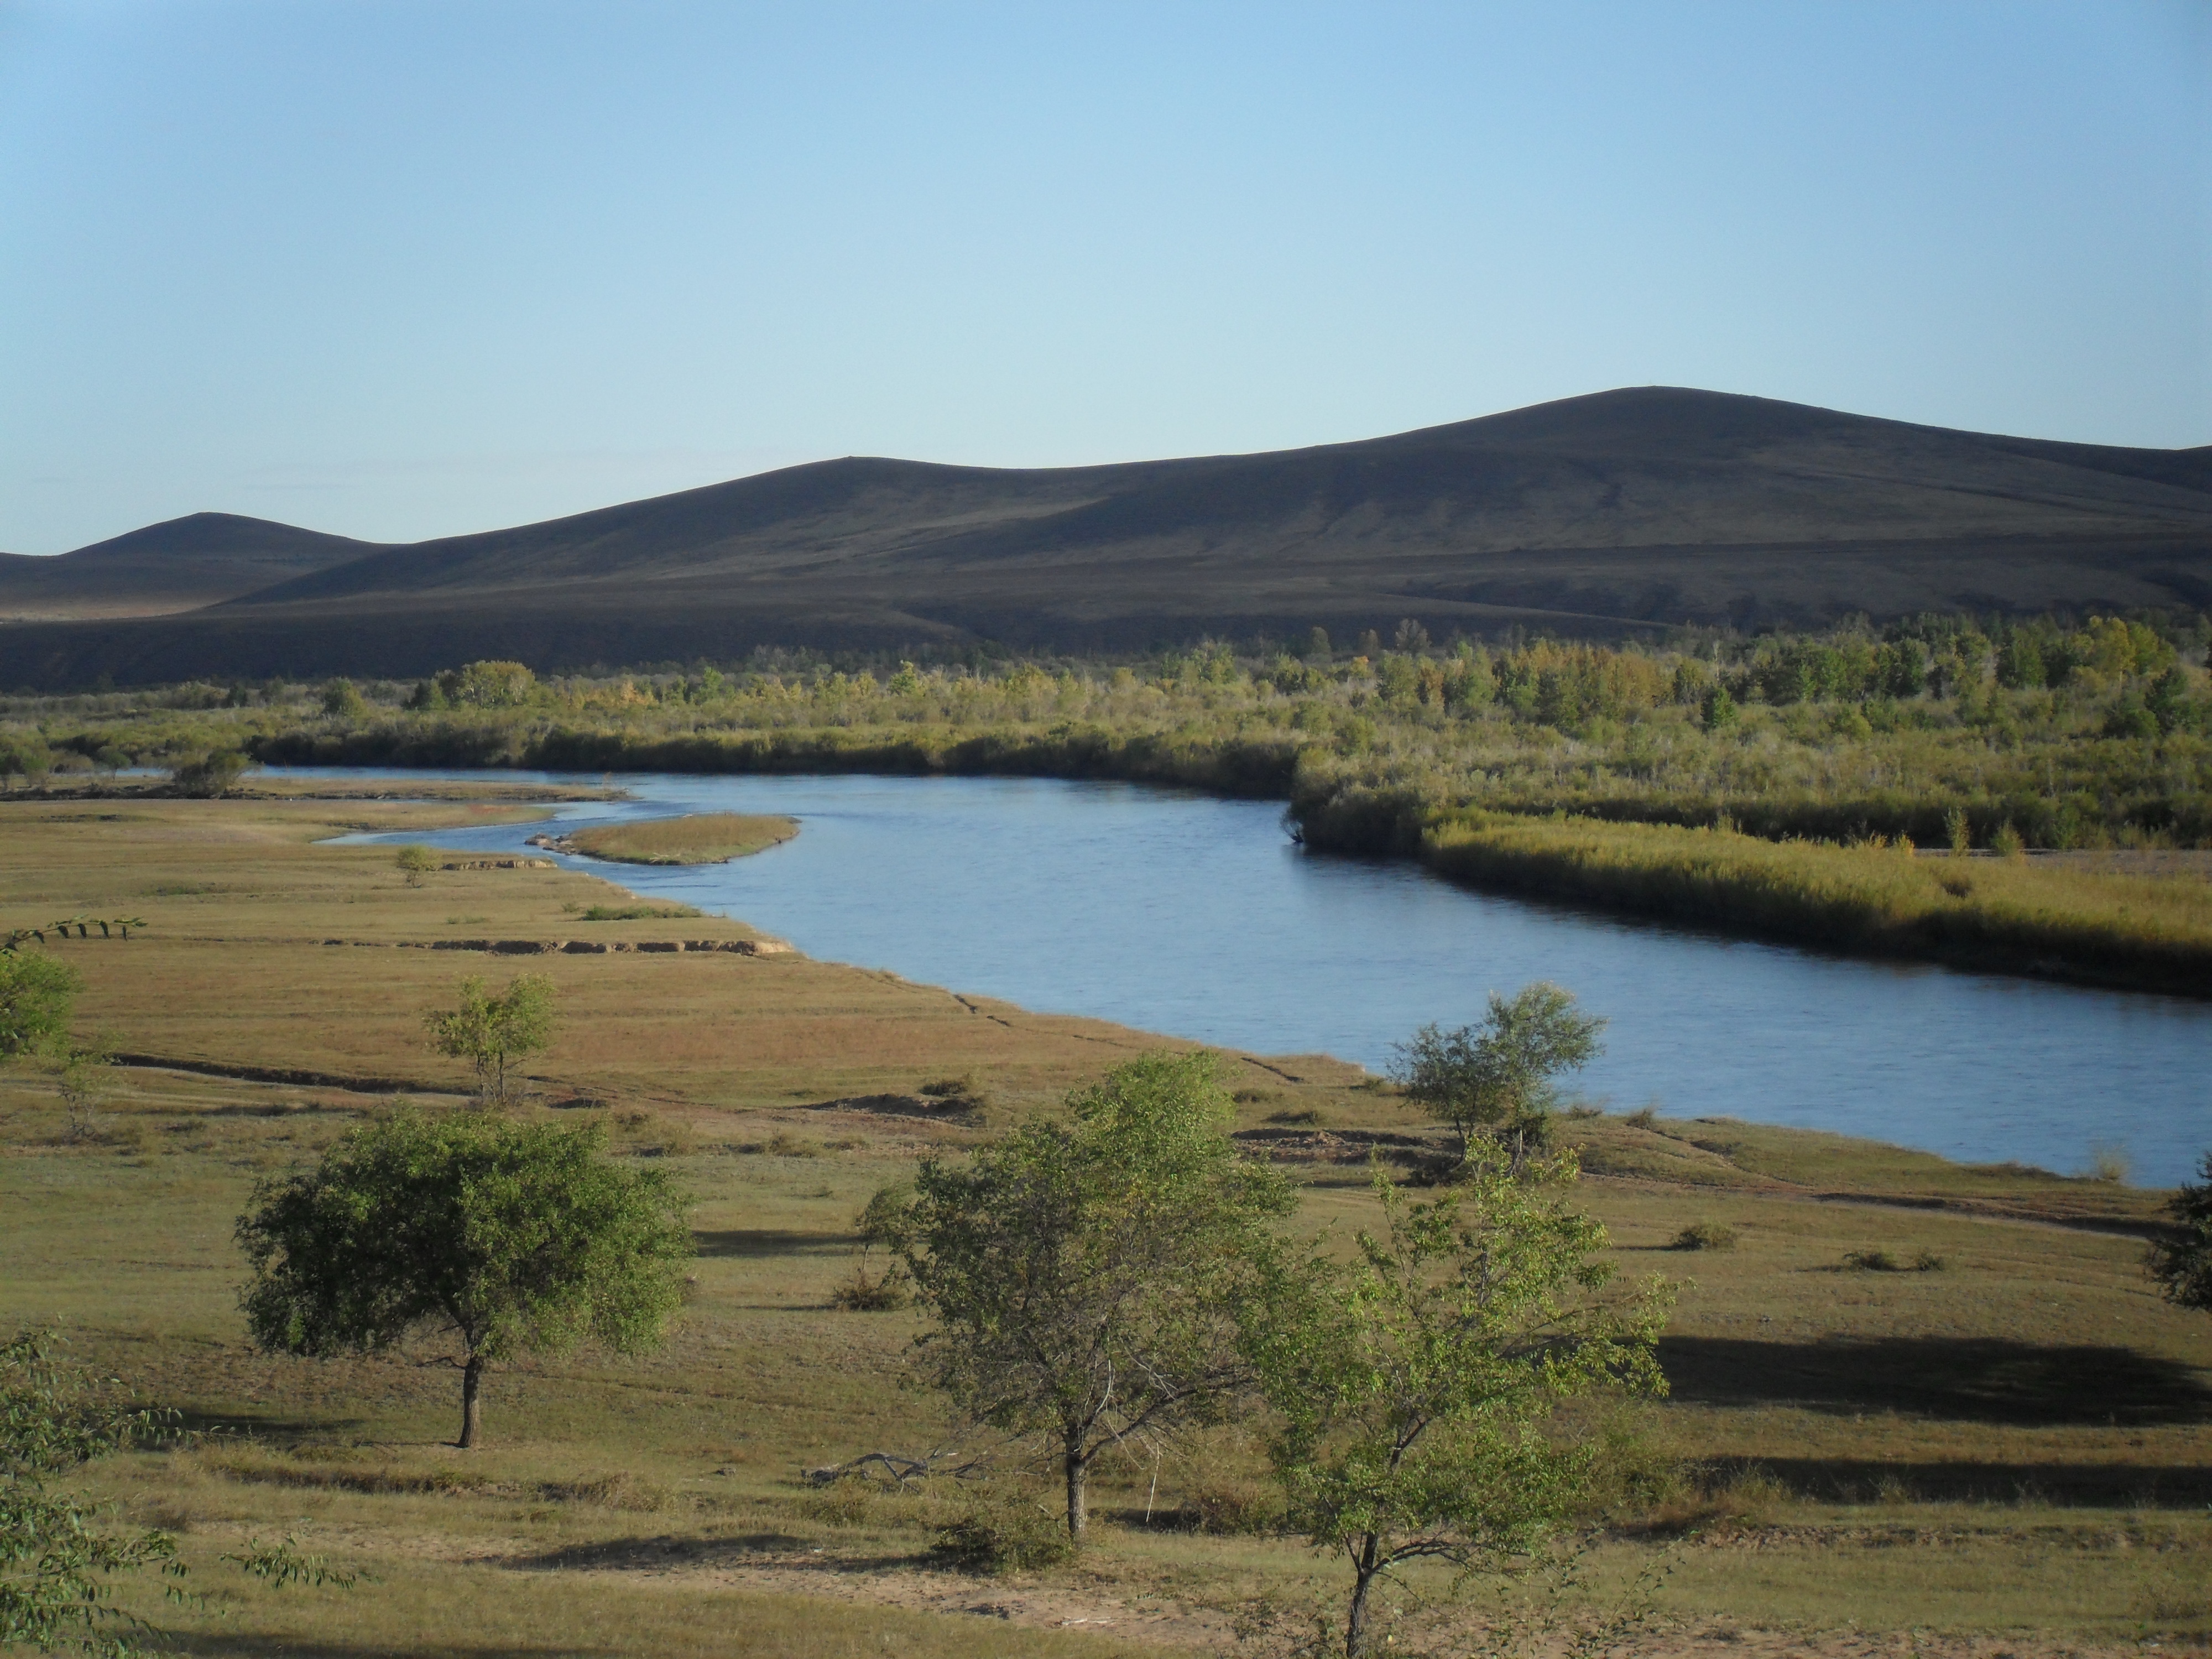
[2103,1485]
[1971,1379]
[755,1242]
[666,1550]
[292,1647]
[265,1425]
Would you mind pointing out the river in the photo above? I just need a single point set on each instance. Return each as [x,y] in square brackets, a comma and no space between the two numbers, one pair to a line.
[1179,913]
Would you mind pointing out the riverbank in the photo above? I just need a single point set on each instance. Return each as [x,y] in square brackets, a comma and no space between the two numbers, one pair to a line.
[2149,932]
[1846,744]
[2027,1415]
[2022,914]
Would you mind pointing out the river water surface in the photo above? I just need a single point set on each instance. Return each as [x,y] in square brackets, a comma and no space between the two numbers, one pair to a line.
[1179,913]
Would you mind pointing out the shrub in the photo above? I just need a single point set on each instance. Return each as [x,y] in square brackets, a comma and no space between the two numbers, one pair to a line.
[209,776]
[1706,1235]
[1228,1504]
[1003,1533]
[885,1292]
[1644,1117]
[37,993]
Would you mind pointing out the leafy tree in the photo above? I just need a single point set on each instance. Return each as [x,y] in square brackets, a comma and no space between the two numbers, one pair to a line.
[415,863]
[1087,1278]
[2182,1262]
[23,757]
[487,685]
[341,699]
[58,1559]
[37,994]
[489,1031]
[2167,701]
[883,1223]
[1413,1390]
[500,1238]
[208,777]
[1498,1076]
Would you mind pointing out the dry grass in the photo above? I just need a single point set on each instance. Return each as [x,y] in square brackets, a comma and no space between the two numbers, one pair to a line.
[700,838]
[2066,917]
[2021,1444]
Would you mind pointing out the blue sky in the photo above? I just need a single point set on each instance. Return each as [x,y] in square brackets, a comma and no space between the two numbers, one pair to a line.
[402,270]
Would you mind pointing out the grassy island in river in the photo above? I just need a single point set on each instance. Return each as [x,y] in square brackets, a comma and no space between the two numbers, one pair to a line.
[698,838]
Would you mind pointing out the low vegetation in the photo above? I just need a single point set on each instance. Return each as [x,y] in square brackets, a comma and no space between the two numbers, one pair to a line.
[1785,785]
[697,838]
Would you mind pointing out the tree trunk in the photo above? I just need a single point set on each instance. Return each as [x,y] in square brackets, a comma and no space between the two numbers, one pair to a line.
[1355,1623]
[472,1403]
[1078,1500]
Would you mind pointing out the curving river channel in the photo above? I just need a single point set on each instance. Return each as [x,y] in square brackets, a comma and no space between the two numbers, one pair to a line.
[1179,913]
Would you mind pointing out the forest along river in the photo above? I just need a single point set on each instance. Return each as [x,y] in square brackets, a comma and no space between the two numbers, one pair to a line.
[1179,913]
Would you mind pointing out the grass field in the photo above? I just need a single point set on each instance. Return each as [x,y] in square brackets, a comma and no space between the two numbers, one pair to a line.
[2058,915]
[2012,1452]
[697,838]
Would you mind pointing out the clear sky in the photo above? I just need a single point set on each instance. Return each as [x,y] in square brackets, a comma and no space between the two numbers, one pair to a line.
[399,270]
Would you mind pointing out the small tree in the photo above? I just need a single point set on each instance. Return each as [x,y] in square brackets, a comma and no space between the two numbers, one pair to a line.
[1087,1278]
[489,1031]
[58,1561]
[1499,1076]
[1412,1391]
[500,1238]
[37,994]
[341,699]
[415,863]
[207,777]
[2182,1262]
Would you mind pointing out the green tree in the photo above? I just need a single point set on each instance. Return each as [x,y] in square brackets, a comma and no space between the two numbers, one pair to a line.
[1087,1278]
[58,1561]
[489,1031]
[487,685]
[415,863]
[1499,1076]
[498,1237]
[2167,700]
[2181,1261]
[23,757]
[208,777]
[1415,1392]
[37,994]
[341,699]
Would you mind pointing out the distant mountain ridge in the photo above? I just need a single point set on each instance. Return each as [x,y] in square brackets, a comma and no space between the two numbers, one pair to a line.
[180,565]
[1595,516]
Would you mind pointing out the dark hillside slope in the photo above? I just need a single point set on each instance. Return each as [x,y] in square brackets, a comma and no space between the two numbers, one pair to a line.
[180,565]
[1595,516]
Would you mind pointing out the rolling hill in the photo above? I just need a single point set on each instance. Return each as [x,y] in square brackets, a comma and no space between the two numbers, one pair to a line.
[1598,515]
